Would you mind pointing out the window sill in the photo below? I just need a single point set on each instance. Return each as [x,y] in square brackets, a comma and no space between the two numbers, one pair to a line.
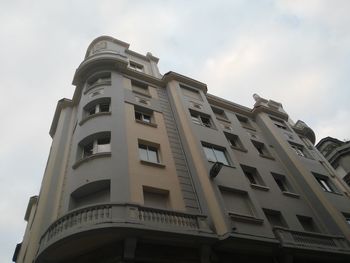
[239,149]
[266,156]
[225,165]
[160,165]
[91,157]
[335,193]
[290,194]
[223,119]
[147,123]
[146,94]
[260,187]
[248,128]
[246,218]
[105,83]
[93,116]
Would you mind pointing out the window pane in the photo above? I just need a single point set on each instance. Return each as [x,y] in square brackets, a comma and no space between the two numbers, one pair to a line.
[206,121]
[103,148]
[92,110]
[146,118]
[138,116]
[209,153]
[87,151]
[143,152]
[153,154]
[220,156]
[325,185]
[195,119]
[104,107]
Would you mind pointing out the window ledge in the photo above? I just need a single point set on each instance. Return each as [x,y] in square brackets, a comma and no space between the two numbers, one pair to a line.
[225,165]
[93,116]
[260,187]
[246,218]
[291,194]
[248,128]
[223,119]
[142,93]
[335,193]
[147,123]
[239,149]
[266,156]
[104,83]
[91,157]
[152,164]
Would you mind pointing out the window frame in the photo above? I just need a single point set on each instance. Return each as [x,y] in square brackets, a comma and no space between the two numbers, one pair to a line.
[198,118]
[262,149]
[216,149]
[148,148]
[136,66]
[325,183]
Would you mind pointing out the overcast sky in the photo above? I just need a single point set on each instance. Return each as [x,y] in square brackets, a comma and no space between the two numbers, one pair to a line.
[294,52]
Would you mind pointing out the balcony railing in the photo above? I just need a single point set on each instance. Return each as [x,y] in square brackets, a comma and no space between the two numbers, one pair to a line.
[311,240]
[123,215]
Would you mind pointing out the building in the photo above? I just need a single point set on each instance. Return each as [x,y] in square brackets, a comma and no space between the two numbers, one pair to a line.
[147,167]
[337,154]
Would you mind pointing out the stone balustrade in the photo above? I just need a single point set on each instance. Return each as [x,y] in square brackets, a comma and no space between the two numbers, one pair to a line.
[311,240]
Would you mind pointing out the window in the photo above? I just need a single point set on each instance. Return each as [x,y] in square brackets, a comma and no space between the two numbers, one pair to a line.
[347,217]
[98,145]
[225,125]
[136,66]
[299,149]
[245,123]
[201,119]
[219,113]
[237,202]
[215,154]
[260,147]
[156,198]
[148,153]
[275,218]
[140,88]
[190,93]
[282,182]
[234,141]
[252,175]
[144,116]
[97,106]
[279,123]
[307,223]
[325,183]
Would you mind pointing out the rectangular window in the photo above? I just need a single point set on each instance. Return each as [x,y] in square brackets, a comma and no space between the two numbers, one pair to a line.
[148,153]
[191,93]
[261,148]
[275,218]
[252,175]
[307,223]
[219,113]
[299,149]
[201,119]
[245,122]
[237,202]
[234,141]
[347,217]
[279,123]
[282,182]
[325,183]
[156,198]
[142,117]
[215,154]
[136,66]
[140,88]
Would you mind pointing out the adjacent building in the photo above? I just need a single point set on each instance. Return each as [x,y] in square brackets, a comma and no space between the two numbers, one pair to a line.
[337,154]
[146,167]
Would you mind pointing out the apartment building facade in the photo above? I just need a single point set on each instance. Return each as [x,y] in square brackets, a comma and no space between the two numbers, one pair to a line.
[146,167]
[337,154]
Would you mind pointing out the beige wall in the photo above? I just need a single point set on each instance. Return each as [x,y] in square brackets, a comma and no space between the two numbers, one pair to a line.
[140,175]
